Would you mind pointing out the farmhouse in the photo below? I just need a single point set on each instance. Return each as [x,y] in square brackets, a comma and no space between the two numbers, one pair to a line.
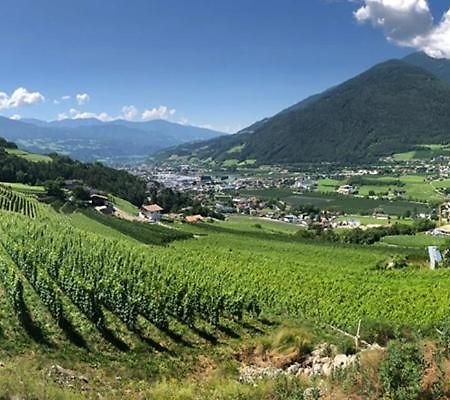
[151,212]
[98,200]
[346,189]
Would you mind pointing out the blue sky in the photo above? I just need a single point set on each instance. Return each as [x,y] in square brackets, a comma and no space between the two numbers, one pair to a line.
[223,64]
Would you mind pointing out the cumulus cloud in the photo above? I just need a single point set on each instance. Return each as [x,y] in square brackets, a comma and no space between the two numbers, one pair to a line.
[66,97]
[76,114]
[82,98]
[19,98]
[130,113]
[408,23]
[162,112]
[15,117]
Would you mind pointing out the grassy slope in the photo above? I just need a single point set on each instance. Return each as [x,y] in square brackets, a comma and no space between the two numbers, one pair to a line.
[29,156]
[415,187]
[23,188]
[420,240]
[313,280]
[83,222]
[369,220]
[124,205]
[424,152]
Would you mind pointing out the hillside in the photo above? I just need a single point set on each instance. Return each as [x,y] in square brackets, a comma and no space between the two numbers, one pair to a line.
[30,169]
[90,139]
[87,312]
[439,67]
[389,108]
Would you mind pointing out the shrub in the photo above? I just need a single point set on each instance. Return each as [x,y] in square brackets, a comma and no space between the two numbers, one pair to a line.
[378,332]
[402,370]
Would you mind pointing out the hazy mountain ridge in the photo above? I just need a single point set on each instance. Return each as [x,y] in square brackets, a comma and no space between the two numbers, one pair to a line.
[91,139]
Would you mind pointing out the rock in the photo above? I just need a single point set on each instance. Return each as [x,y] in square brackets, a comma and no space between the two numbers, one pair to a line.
[316,369]
[324,350]
[293,369]
[251,374]
[324,360]
[374,346]
[340,361]
[327,368]
[67,377]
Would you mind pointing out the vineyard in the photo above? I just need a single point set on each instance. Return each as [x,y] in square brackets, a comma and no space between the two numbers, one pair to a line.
[117,300]
[96,275]
[215,278]
[11,200]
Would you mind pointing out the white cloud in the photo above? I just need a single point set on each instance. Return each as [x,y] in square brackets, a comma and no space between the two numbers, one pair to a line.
[408,23]
[76,114]
[66,97]
[19,98]
[82,98]
[130,113]
[15,117]
[56,102]
[162,112]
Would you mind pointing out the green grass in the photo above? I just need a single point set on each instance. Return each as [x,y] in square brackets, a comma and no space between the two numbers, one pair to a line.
[23,188]
[29,156]
[424,152]
[252,224]
[232,162]
[236,149]
[84,222]
[124,205]
[419,240]
[248,162]
[346,204]
[406,156]
[369,220]
[329,185]
[141,231]
[416,187]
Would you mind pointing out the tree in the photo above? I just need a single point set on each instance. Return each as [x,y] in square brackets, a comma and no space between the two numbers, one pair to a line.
[80,193]
[54,189]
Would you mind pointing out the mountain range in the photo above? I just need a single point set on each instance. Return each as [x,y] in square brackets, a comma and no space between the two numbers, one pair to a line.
[391,107]
[91,139]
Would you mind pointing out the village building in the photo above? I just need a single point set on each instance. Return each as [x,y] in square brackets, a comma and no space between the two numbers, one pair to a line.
[193,219]
[151,212]
[98,200]
[346,190]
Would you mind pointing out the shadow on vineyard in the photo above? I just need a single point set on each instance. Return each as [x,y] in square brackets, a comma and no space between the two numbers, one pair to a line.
[31,327]
[71,333]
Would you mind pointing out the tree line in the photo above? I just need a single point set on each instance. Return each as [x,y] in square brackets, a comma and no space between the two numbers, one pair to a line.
[95,175]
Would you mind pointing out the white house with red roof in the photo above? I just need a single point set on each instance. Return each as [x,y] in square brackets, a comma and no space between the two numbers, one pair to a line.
[151,212]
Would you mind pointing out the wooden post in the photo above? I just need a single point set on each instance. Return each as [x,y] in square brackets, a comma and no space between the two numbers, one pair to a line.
[357,337]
